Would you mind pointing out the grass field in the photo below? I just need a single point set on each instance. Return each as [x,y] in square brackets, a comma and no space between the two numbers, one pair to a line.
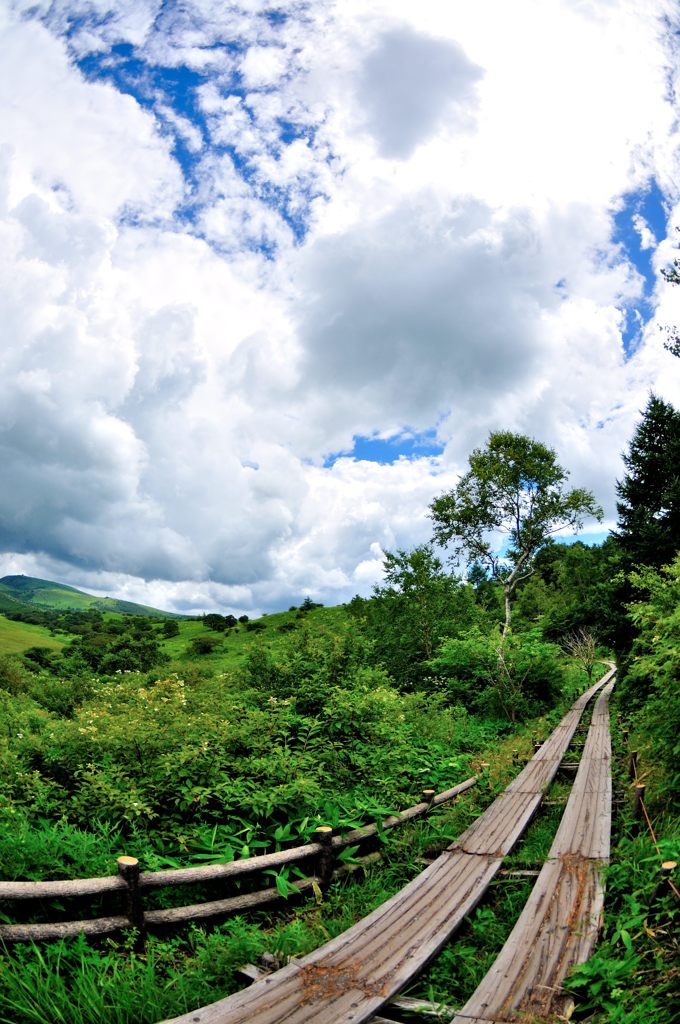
[16,637]
[238,642]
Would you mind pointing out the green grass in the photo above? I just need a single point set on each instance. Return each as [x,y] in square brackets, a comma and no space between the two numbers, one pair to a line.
[16,637]
[240,641]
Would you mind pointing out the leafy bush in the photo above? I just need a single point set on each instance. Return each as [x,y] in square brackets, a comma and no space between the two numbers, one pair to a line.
[518,675]
[204,644]
[652,682]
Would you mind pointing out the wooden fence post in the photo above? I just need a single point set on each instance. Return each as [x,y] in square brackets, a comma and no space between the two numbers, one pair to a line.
[638,797]
[326,862]
[128,869]
[633,764]
[428,796]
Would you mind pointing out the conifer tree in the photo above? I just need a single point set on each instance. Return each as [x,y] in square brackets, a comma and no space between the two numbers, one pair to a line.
[649,494]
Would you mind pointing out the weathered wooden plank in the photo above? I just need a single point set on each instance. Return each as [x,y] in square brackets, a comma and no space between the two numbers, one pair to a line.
[494,834]
[423,1007]
[352,977]
[557,928]
[559,924]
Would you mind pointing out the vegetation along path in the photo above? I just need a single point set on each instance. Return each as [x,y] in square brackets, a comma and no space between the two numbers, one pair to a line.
[351,977]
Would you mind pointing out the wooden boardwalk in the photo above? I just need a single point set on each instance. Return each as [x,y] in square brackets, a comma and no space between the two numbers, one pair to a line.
[559,924]
[351,977]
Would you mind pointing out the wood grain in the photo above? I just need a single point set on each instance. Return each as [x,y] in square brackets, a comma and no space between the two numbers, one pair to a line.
[559,924]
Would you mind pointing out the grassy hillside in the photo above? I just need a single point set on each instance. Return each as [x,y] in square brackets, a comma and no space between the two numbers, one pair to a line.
[16,637]
[270,631]
[17,592]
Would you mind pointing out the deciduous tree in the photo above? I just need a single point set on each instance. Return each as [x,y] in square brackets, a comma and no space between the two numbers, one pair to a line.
[505,508]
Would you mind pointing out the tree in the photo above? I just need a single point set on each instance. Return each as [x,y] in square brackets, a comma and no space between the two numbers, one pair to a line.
[514,487]
[215,621]
[582,647]
[416,581]
[518,675]
[417,604]
[653,679]
[203,644]
[649,495]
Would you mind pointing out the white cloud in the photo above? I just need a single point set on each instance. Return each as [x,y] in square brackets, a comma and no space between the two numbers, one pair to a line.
[84,139]
[408,83]
[172,377]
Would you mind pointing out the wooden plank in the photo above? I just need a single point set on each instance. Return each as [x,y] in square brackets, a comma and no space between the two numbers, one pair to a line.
[496,831]
[559,924]
[353,976]
[557,928]
[422,1007]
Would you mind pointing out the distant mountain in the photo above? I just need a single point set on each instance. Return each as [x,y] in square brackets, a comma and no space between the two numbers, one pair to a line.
[20,592]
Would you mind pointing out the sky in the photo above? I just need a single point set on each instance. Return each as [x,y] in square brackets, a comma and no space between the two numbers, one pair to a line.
[269,272]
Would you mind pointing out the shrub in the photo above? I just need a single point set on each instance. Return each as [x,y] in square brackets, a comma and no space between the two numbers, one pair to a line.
[517,675]
[204,644]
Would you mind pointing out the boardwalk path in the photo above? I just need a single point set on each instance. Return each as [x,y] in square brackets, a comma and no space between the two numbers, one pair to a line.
[351,977]
[558,926]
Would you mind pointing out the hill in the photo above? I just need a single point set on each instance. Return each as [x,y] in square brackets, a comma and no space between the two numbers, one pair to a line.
[20,592]
[17,637]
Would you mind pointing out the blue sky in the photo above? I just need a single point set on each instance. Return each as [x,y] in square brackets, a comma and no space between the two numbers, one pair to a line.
[269,274]
[644,211]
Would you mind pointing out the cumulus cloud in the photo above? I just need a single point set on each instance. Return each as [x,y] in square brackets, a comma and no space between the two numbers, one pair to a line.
[344,223]
[409,82]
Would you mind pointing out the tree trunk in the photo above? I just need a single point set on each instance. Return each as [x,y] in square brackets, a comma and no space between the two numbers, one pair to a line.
[508,610]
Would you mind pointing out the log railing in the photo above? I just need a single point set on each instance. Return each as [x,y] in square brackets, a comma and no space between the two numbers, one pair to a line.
[130,882]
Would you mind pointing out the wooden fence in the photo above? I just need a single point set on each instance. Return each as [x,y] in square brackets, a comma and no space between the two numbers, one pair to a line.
[130,883]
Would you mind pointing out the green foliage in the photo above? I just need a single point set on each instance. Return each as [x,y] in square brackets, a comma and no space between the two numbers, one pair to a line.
[653,679]
[516,676]
[204,644]
[648,529]
[633,975]
[67,982]
[115,647]
[407,616]
[515,487]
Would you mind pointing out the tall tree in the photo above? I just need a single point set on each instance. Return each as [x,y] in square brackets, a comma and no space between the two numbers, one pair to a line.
[649,495]
[514,487]
[417,604]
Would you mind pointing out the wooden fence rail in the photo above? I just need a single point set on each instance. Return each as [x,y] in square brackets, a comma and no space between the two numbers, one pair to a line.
[130,882]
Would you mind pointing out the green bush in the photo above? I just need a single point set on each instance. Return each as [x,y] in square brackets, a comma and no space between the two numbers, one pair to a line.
[517,676]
